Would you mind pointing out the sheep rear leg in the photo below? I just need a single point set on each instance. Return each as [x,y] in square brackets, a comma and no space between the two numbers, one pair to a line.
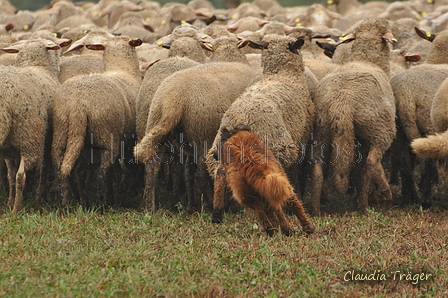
[218,198]
[149,196]
[409,191]
[429,178]
[20,185]
[317,178]
[372,164]
[12,171]
[103,176]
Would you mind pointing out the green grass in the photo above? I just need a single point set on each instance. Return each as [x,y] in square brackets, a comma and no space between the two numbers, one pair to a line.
[126,253]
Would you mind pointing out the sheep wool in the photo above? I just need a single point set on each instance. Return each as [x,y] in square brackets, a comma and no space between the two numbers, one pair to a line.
[25,105]
[356,102]
[101,106]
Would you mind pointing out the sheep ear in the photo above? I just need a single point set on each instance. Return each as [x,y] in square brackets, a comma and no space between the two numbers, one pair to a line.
[412,58]
[328,48]
[425,35]
[296,45]
[76,45]
[209,20]
[96,47]
[52,46]
[135,42]
[317,35]
[345,39]
[242,43]
[389,37]
[232,28]
[201,37]
[64,42]
[14,48]
[147,26]
[258,45]
[165,42]
[207,46]
[9,27]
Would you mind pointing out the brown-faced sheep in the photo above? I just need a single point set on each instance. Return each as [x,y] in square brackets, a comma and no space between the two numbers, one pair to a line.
[258,181]
[99,108]
[278,108]
[355,104]
[414,90]
[25,101]
[181,101]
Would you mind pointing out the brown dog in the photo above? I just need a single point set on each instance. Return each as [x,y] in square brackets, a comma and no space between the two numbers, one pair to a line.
[258,181]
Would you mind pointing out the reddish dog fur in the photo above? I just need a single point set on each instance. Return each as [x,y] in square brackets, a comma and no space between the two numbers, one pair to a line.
[258,181]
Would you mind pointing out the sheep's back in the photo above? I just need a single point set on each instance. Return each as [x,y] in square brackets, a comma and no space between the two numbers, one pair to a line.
[364,96]
[25,99]
[414,91]
[104,103]
[153,78]
[203,93]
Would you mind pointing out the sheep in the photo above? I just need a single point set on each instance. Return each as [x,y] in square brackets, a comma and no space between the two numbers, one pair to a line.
[356,103]
[25,100]
[99,107]
[258,181]
[414,90]
[181,100]
[278,108]
[435,146]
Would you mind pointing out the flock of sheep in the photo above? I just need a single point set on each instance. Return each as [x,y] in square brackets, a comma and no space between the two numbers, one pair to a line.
[334,90]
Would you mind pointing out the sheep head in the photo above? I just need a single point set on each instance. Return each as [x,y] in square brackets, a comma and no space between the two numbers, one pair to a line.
[281,54]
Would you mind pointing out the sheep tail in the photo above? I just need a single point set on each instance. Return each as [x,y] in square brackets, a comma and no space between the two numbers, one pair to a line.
[5,125]
[275,188]
[75,140]
[342,157]
[434,146]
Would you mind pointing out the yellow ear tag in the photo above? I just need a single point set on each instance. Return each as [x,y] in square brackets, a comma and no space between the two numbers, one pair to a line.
[163,22]
[417,17]
[298,24]
[330,2]
[394,39]
[297,20]
[148,19]
[342,38]
[100,14]
[204,36]
[55,34]
[424,14]
[234,17]
[428,34]
[81,9]
[430,1]
[26,27]
[335,20]
[183,22]
[210,45]
[77,41]
[159,43]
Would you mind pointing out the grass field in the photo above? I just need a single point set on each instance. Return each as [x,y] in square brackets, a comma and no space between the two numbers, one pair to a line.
[126,253]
